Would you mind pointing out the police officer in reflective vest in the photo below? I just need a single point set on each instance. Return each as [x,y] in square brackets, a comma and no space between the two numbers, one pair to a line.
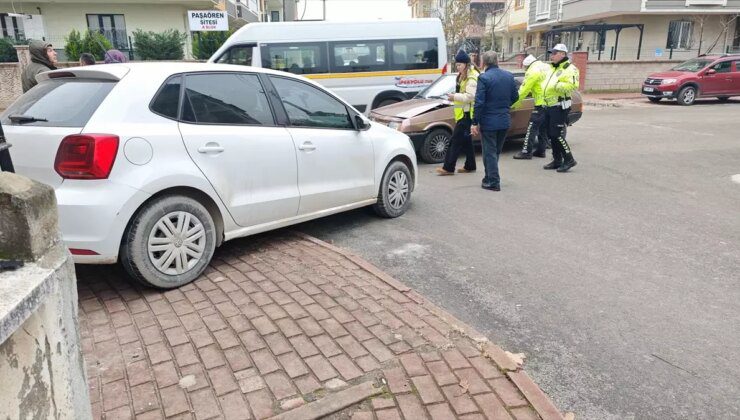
[559,84]
[536,130]
[463,99]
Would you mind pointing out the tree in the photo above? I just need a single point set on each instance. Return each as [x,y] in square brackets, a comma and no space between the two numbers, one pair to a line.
[725,23]
[8,54]
[499,20]
[167,45]
[205,44]
[455,17]
[92,42]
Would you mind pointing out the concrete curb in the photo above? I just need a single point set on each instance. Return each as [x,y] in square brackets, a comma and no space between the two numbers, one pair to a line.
[544,406]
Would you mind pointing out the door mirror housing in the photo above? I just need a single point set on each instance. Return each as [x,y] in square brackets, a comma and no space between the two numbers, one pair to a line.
[361,123]
[710,72]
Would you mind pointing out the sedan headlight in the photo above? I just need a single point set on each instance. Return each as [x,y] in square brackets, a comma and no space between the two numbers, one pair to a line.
[668,81]
[394,125]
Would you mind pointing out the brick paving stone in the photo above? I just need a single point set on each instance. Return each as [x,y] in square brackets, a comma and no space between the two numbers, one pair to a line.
[303,346]
[185,355]
[176,336]
[333,327]
[321,367]
[455,359]
[440,411]
[365,318]
[399,347]
[413,364]
[351,346]
[261,403]
[280,385]
[239,323]
[237,358]
[461,401]
[211,356]
[410,406]
[310,327]
[476,384]
[274,311]
[377,349]
[317,312]
[204,404]
[325,301]
[120,413]
[192,322]
[183,307]
[367,363]
[158,353]
[485,368]
[345,367]
[226,339]
[472,417]
[151,415]
[264,361]
[508,393]
[398,383]
[427,389]
[138,373]
[127,334]
[197,372]
[144,398]
[114,395]
[293,365]
[168,320]
[121,319]
[251,384]
[347,303]
[227,309]
[524,413]
[264,325]
[278,344]
[165,374]
[362,415]
[214,322]
[326,345]
[307,384]
[234,406]
[261,298]
[252,340]
[280,297]
[342,315]
[492,407]
[222,380]
[383,402]
[201,338]
[389,414]
[150,335]
[289,328]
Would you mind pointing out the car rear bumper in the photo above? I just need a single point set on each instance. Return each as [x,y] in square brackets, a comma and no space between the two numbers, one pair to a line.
[93,216]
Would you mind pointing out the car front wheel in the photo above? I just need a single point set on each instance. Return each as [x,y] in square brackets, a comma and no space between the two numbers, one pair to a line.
[394,196]
[435,145]
[687,95]
[169,242]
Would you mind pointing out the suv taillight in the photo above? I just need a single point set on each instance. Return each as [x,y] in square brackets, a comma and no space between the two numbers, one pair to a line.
[86,156]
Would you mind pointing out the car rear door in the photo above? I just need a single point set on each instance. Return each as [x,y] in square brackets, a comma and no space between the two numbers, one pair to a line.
[335,161]
[735,78]
[229,131]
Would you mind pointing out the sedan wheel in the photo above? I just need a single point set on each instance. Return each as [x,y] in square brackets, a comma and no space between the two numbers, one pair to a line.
[177,242]
[434,148]
[394,196]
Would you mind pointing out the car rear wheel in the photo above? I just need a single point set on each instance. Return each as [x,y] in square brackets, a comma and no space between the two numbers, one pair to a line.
[654,100]
[435,145]
[687,95]
[394,197]
[169,243]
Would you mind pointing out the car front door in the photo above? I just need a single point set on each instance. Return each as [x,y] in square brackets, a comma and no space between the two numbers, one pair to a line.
[735,78]
[230,132]
[718,81]
[335,161]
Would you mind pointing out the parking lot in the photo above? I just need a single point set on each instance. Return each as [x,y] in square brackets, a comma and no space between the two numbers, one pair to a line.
[619,281]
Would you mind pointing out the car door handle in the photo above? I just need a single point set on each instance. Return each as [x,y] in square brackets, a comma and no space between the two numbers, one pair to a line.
[211,148]
[307,147]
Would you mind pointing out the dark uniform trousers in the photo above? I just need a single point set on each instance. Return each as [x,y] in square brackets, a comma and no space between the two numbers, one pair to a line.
[537,129]
[557,121]
[461,141]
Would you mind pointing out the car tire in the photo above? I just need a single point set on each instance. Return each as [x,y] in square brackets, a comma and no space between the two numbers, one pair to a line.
[435,145]
[394,197]
[158,231]
[654,100]
[686,96]
[723,98]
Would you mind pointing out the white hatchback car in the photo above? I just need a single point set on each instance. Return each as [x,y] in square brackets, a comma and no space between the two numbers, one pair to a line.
[157,164]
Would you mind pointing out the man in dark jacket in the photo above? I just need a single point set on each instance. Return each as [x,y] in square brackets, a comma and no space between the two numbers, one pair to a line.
[495,95]
[43,58]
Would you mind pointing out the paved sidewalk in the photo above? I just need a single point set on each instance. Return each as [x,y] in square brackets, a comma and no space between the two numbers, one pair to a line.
[289,327]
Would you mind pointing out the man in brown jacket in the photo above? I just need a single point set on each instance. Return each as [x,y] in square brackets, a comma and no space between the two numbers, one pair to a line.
[43,58]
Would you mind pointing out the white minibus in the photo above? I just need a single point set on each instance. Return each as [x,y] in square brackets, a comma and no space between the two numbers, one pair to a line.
[368,64]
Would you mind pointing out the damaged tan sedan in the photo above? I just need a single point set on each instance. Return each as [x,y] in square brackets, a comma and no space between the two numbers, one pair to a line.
[428,118]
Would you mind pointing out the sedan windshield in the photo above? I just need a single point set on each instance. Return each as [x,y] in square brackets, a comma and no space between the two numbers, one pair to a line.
[692,65]
[440,88]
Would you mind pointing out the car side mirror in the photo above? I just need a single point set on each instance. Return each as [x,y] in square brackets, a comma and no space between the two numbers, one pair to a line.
[711,72]
[361,123]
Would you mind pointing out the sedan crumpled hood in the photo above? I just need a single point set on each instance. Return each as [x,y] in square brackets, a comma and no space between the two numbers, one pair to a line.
[410,108]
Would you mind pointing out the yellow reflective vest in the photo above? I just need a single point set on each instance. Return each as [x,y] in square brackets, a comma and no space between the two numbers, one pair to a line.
[464,99]
[560,83]
[533,78]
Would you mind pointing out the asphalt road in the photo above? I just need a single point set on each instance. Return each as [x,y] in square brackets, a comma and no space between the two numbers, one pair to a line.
[620,281]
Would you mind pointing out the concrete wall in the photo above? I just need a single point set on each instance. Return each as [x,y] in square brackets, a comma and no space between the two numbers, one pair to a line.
[42,374]
[10,76]
[622,75]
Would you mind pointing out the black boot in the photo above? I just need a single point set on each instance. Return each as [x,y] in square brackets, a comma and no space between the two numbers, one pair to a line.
[567,164]
[523,155]
[555,164]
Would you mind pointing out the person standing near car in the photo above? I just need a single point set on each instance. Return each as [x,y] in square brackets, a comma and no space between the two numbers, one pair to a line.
[536,130]
[558,87]
[495,95]
[463,98]
[43,58]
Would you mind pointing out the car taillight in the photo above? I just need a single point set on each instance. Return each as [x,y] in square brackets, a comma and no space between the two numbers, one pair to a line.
[86,156]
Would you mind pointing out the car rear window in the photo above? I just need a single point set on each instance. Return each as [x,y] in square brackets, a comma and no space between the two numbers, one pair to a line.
[64,102]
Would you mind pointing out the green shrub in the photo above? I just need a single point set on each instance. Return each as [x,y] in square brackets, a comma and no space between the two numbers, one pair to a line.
[7,51]
[167,45]
[207,43]
[92,42]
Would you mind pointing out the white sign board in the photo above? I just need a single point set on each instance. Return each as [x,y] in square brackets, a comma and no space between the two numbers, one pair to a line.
[208,20]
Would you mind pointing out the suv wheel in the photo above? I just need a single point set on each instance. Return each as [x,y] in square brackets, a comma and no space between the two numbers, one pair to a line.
[394,196]
[687,95]
[435,145]
[654,100]
[169,242]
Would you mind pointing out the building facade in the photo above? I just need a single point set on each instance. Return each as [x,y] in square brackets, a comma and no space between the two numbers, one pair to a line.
[628,29]
[52,21]
[280,10]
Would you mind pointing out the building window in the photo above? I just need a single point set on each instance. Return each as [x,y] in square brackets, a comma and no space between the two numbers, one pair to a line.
[679,35]
[543,9]
[274,16]
[11,27]
[113,27]
[519,4]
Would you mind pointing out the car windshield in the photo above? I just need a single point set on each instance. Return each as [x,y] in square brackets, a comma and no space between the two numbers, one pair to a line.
[692,65]
[441,87]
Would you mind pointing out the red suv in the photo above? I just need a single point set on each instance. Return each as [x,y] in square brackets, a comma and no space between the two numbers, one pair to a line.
[706,76]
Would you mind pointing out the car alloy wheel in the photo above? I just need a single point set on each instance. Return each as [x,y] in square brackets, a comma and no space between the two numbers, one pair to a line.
[398,190]
[438,146]
[687,96]
[176,243]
